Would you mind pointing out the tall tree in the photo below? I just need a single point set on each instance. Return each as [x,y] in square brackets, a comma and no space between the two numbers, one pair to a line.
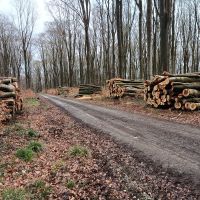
[119,36]
[165,20]
[25,23]
[149,39]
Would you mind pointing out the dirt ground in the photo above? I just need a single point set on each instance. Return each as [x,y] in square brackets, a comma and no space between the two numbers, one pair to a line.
[137,105]
[107,170]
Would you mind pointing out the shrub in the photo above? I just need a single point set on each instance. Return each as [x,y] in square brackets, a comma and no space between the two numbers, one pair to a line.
[35,146]
[78,151]
[70,184]
[25,154]
[14,194]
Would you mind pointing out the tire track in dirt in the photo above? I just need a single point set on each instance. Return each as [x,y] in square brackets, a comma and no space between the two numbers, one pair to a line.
[175,146]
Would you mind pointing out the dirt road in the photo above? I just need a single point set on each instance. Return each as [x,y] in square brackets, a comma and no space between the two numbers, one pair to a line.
[174,146]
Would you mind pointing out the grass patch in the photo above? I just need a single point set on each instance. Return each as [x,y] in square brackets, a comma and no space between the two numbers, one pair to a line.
[39,190]
[32,133]
[78,151]
[14,194]
[70,184]
[59,164]
[35,146]
[31,102]
[25,154]
[16,128]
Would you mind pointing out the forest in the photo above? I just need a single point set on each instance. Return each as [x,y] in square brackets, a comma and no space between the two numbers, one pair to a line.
[103,102]
[92,41]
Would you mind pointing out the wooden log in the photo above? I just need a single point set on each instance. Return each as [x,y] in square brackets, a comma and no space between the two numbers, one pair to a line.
[7,88]
[191,93]
[195,100]
[177,105]
[7,94]
[194,106]
[181,79]
[186,86]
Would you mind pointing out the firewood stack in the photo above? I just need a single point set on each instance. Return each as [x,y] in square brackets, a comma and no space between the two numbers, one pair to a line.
[123,87]
[88,89]
[180,91]
[10,99]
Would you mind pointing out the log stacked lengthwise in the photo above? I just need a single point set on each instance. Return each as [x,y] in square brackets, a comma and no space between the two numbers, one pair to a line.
[88,89]
[10,99]
[181,91]
[123,87]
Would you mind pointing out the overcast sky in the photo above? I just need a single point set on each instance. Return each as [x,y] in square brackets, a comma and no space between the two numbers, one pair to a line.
[6,7]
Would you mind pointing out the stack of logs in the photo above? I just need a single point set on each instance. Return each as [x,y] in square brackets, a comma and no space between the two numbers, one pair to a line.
[63,91]
[88,89]
[123,87]
[180,91]
[10,99]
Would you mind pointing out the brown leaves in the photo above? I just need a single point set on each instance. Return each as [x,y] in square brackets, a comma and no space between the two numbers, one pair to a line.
[110,171]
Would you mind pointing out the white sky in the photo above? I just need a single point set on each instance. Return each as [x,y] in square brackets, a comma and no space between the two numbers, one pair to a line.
[6,7]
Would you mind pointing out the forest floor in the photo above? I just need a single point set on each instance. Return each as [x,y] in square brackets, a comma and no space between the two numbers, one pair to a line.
[73,161]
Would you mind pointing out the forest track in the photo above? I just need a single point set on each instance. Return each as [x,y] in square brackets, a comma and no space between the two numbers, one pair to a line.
[175,146]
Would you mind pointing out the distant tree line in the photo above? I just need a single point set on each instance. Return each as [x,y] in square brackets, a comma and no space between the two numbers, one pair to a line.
[91,41]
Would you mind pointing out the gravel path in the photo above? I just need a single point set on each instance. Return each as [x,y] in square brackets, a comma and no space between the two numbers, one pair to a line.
[174,146]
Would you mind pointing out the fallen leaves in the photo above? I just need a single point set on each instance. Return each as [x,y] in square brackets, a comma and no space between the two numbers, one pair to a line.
[110,171]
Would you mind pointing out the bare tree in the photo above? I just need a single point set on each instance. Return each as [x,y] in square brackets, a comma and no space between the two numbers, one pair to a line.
[25,23]
[165,20]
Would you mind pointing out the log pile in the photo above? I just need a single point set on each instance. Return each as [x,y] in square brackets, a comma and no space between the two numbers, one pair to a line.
[10,99]
[63,91]
[179,91]
[123,87]
[88,89]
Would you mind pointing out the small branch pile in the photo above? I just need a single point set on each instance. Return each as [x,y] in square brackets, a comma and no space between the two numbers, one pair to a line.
[10,99]
[123,87]
[87,89]
[181,91]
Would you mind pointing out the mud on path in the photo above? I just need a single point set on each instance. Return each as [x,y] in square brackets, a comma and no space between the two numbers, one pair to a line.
[175,146]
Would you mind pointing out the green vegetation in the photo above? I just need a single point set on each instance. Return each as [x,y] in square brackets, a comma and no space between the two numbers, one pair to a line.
[58,165]
[20,130]
[35,146]
[38,190]
[25,154]
[16,128]
[78,151]
[31,102]
[32,133]
[70,184]
[14,194]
